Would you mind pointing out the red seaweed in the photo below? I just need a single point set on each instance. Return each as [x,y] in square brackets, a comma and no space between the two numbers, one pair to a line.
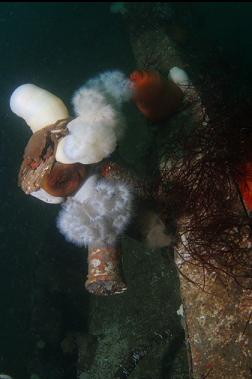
[201,177]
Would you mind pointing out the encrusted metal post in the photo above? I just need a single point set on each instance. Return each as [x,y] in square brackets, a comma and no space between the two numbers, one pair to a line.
[104,271]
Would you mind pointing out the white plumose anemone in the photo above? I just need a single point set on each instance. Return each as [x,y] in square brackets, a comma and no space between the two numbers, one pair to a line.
[98,142]
[99,124]
[37,106]
[97,214]
[114,84]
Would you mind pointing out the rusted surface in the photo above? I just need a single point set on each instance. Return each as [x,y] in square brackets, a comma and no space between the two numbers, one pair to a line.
[218,320]
[217,311]
[154,49]
[104,271]
[39,155]
[142,188]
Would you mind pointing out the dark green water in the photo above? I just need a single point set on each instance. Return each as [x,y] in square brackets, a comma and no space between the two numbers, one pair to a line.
[56,47]
[59,47]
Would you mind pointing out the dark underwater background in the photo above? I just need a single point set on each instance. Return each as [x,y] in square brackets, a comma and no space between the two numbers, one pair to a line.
[58,46]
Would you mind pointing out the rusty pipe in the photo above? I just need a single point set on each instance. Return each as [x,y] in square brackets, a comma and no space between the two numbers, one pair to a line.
[104,271]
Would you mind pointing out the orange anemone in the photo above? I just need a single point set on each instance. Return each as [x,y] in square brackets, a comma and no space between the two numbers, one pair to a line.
[156,97]
[245,184]
[64,179]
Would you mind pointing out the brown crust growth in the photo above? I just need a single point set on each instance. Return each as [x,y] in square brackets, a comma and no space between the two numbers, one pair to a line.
[39,155]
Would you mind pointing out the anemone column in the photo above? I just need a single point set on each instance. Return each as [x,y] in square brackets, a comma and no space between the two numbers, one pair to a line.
[104,271]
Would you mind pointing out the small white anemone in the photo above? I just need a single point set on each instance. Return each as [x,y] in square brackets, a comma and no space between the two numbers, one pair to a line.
[179,77]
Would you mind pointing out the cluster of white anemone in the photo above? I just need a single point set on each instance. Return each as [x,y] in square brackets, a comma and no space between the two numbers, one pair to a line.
[96,128]
[98,122]
[101,209]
